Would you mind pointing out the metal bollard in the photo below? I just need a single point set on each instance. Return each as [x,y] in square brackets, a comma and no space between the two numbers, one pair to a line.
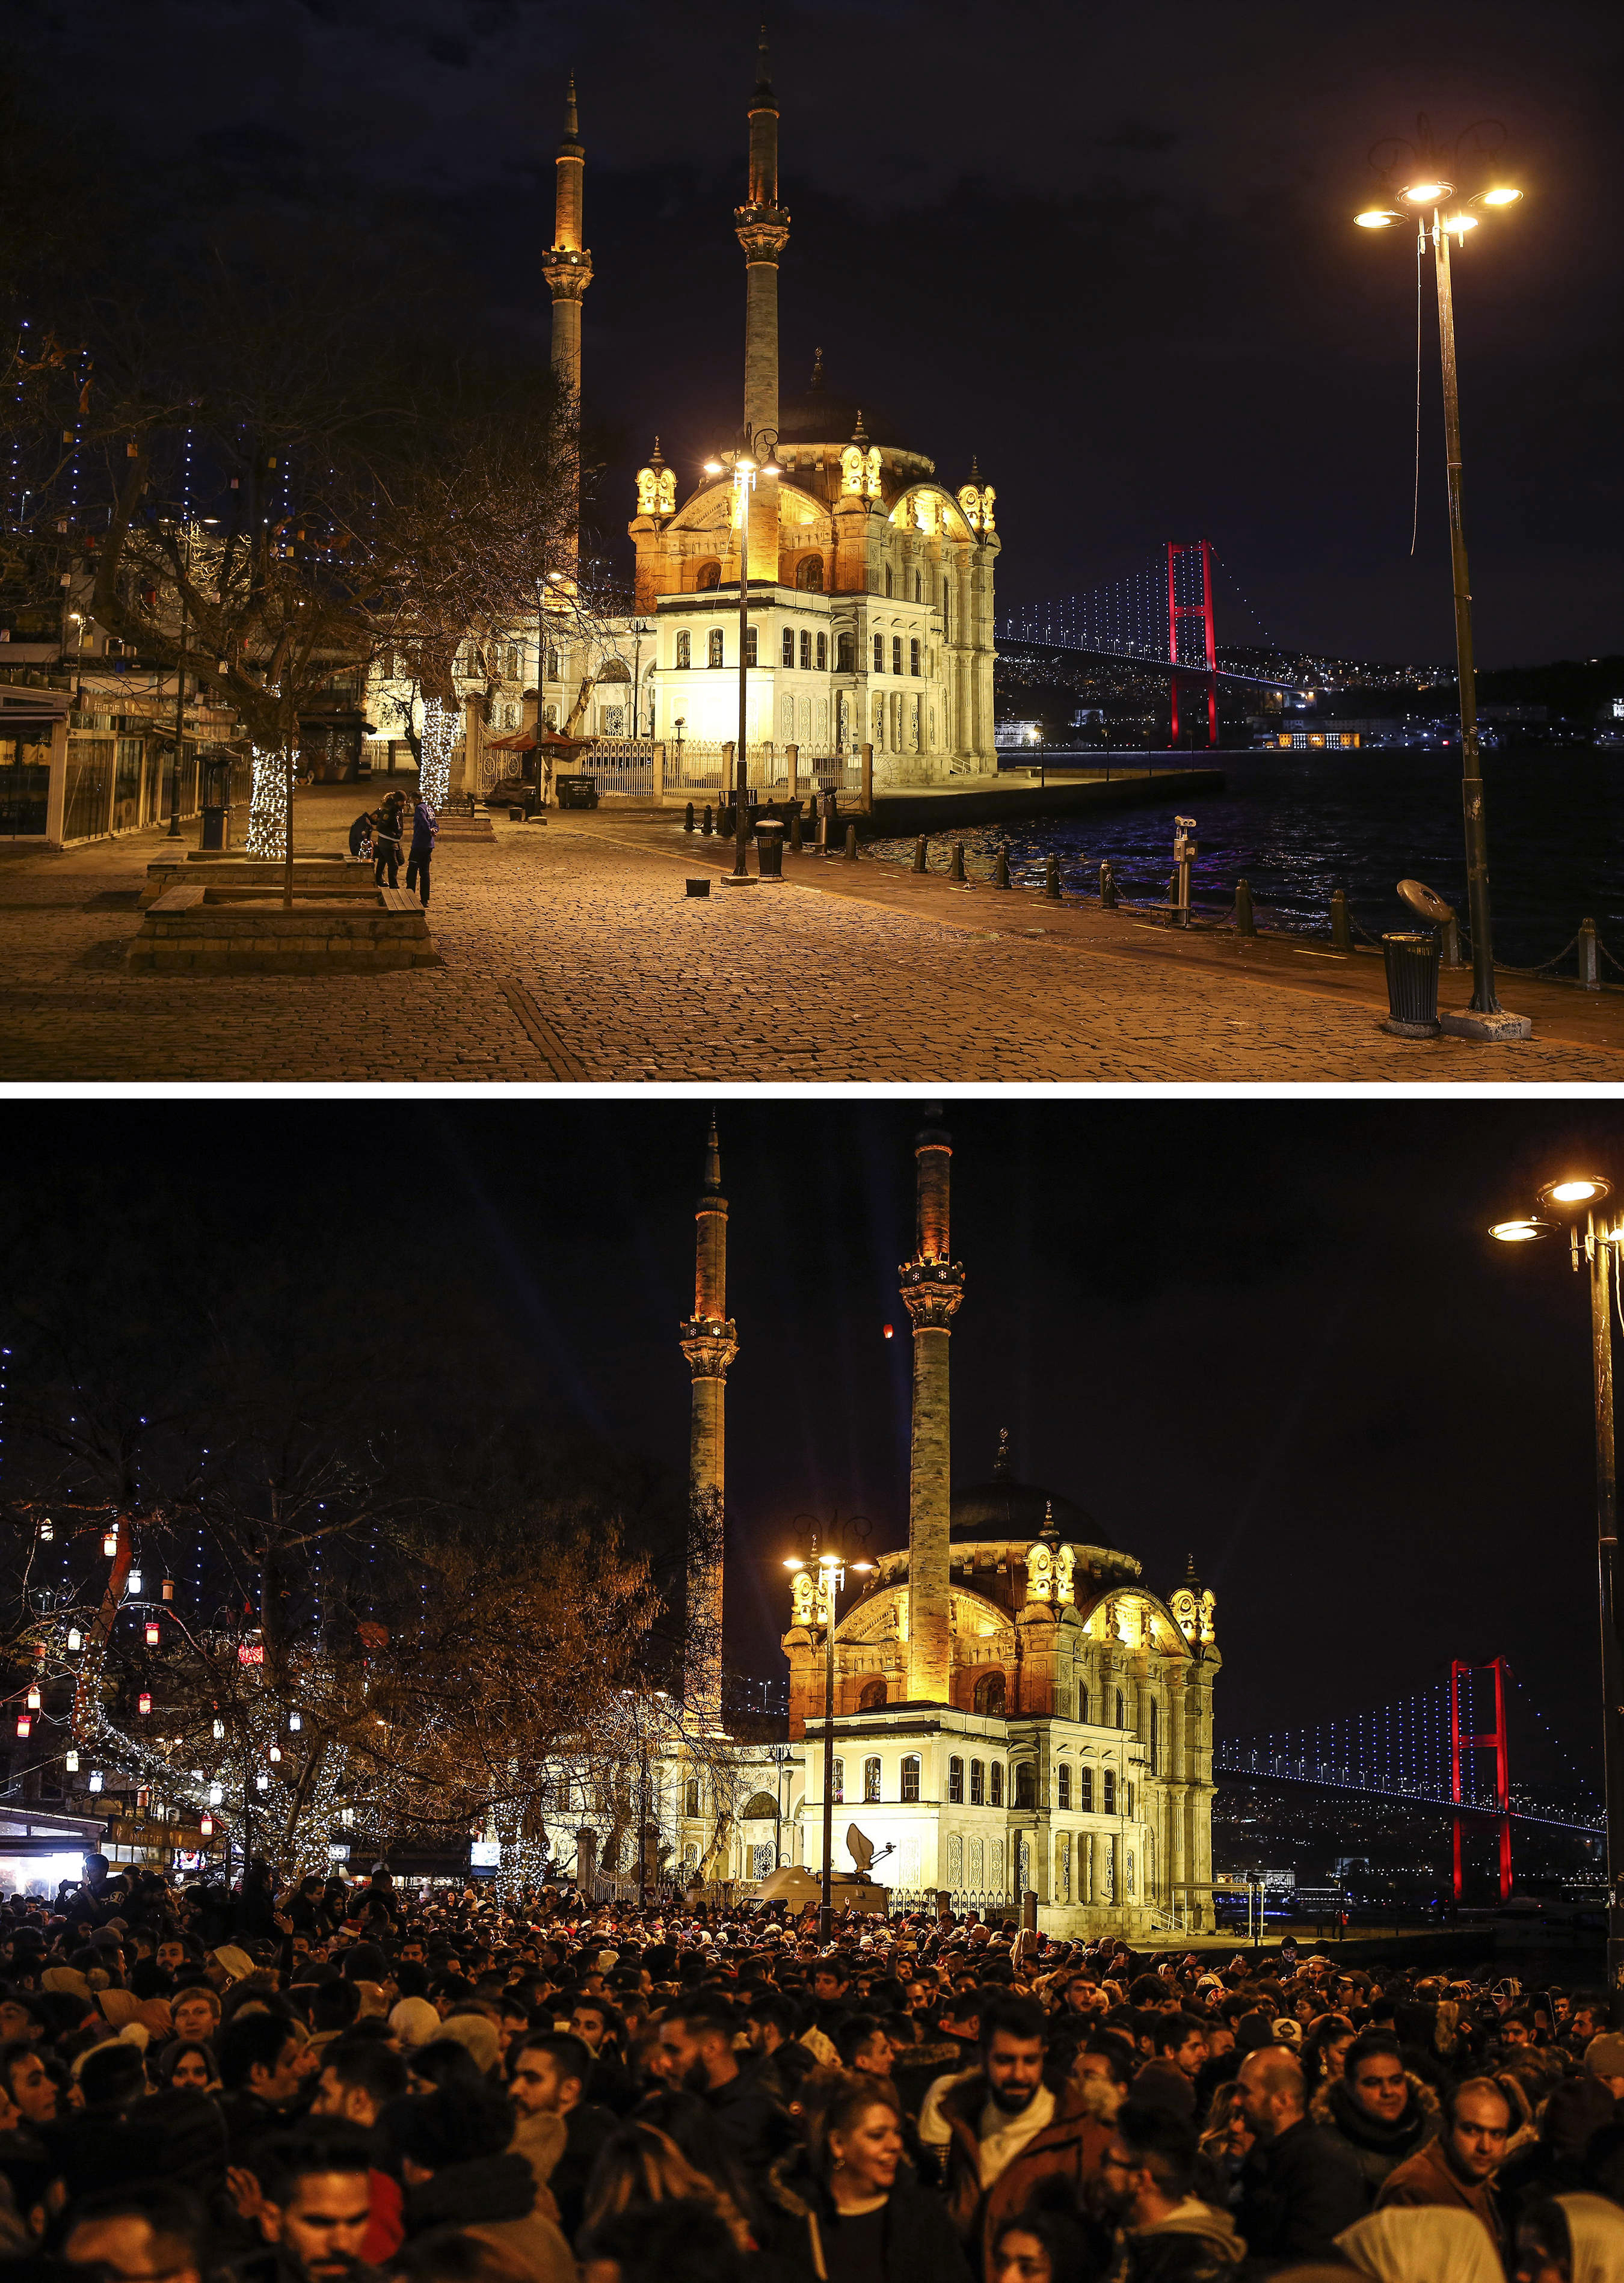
[707,828]
[919,863]
[1001,869]
[688,817]
[795,830]
[851,843]
[1107,887]
[1449,942]
[1589,956]
[1051,879]
[1341,926]
[957,871]
[1244,922]
[1186,849]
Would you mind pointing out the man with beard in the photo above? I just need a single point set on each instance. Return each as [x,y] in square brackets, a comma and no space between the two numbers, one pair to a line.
[1382,2111]
[1007,2134]
[1457,2168]
[695,2054]
[1144,2188]
[1300,2186]
[315,2207]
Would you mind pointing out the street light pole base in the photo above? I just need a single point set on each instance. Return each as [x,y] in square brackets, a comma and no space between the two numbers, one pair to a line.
[1410,1030]
[1486,1029]
[739,880]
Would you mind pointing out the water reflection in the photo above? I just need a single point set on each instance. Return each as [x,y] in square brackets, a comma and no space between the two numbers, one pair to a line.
[1297,825]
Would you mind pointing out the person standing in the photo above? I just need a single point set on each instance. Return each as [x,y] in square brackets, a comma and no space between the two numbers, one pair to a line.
[386,841]
[1457,2167]
[1301,2185]
[425,832]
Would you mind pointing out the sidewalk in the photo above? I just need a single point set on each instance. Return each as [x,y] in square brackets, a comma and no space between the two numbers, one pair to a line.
[571,954]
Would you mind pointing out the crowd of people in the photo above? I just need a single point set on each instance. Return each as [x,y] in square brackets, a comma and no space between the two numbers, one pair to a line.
[326,2082]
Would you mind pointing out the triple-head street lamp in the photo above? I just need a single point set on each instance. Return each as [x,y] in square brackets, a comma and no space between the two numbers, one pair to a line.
[756,456]
[1595,1235]
[830,1569]
[1449,198]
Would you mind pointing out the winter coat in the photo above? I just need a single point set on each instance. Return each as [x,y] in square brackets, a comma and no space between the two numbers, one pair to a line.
[752,2123]
[800,2231]
[1163,2085]
[360,843]
[494,2198]
[1299,2190]
[1196,2239]
[424,829]
[1068,2149]
[1427,2178]
[1378,2147]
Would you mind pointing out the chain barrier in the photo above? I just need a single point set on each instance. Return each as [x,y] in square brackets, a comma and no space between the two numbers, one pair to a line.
[1504,966]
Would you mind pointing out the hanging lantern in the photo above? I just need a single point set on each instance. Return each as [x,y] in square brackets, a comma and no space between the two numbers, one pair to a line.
[218,1730]
[216,1793]
[143,1703]
[141,1796]
[206,1825]
[110,1544]
[276,1753]
[134,1585]
[151,1631]
[33,1698]
[75,1640]
[70,1761]
[96,1781]
[294,1722]
[48,1529]
[261,1783]
[24,1725]
[169,1589]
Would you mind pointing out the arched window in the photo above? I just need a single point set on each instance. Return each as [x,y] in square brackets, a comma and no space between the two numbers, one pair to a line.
[1026,1785]
[978,1784]
[872,1697]
[889,589]
[691,1797]
[1085,1790]
[1121,1710]
[684,649]
[822,653]
[806,650]
[871,1780]
[994,1789]
[837,1790]
[1127,1799]
[809,574]
[750,643]
[880,653]
[716,646]
[1110,1788]
[913,656]
[846,654]
[910,1775]
[897,653]
[1082,1700]
[705,576]
[1063,1785]
[1155,1735]
[955,1782]
[552,664]
[989,1694]
[786,647]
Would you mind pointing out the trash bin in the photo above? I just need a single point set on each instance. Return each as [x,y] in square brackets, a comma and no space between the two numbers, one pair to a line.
[576,791]
[770,850]
[215,821]
[1411,962]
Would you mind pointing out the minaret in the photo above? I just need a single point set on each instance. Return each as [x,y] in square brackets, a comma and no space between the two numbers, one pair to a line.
[710,1345]
[932,1285]
[567,265]
[763,231]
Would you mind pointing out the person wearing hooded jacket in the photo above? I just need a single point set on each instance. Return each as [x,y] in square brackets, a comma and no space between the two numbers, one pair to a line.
[460,2170]
[1383,2111]
[847,2209]
[1147,2188]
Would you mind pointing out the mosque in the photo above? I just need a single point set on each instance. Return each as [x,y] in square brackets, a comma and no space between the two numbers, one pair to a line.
[869,579]
[1017,1714]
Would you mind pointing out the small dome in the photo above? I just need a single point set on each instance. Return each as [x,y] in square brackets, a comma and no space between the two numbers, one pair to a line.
[1003,1507]
[822,415]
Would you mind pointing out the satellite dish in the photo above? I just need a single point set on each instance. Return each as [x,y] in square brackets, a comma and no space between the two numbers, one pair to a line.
[1426,903]
[860,1848]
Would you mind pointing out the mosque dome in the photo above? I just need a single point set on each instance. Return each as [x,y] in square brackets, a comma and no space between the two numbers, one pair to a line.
[822,415]
[1002,1507]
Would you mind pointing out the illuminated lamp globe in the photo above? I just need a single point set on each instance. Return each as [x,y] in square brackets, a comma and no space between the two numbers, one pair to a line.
[70,1761]
[1427,193]
[48,1529]
[888,1332]
[35,1700]
[25,1725]
[1460,223]
[1575,1190]
[713,467]
[218,1730]
[151,1631]
[206,1825]
[143,1703]
[1378,218]
[1502,195]
[75,1640]
[133,1583]
[771,467]
[96,1780]
[110,1544]
[1523,1231]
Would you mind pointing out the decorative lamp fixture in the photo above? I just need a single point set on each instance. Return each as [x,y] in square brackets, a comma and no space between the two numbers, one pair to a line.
[143,1703]
[218,1730]
[169,1589]
[34,1699]
[96,1780]
[1576,1189]
[151,1630]
[48,1529]
[24,1725]
[110,1544]
[1429,192]
[206,1825]
[216,1793]
[262,1782]
[1524,1230]
[133,1583]
[70,1761]
[75,1640]
[275,1754]
[295,1723]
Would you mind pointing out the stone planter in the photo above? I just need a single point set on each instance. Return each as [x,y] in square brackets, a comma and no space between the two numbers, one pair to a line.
[354,874]
[244,930]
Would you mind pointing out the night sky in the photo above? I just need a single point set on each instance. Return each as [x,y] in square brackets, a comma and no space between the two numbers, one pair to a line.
[1272,1334]
[1108,251]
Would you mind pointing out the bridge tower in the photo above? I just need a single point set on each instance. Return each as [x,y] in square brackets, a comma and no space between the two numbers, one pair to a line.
[1492,1739]
[1203,611]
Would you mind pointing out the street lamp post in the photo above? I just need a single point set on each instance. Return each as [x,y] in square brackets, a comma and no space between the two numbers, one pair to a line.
[1598,1250]
[1423,183]
[831,1577]
[756,456]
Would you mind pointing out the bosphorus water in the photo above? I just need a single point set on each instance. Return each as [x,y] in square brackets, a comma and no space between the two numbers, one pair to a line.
[1297,825]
